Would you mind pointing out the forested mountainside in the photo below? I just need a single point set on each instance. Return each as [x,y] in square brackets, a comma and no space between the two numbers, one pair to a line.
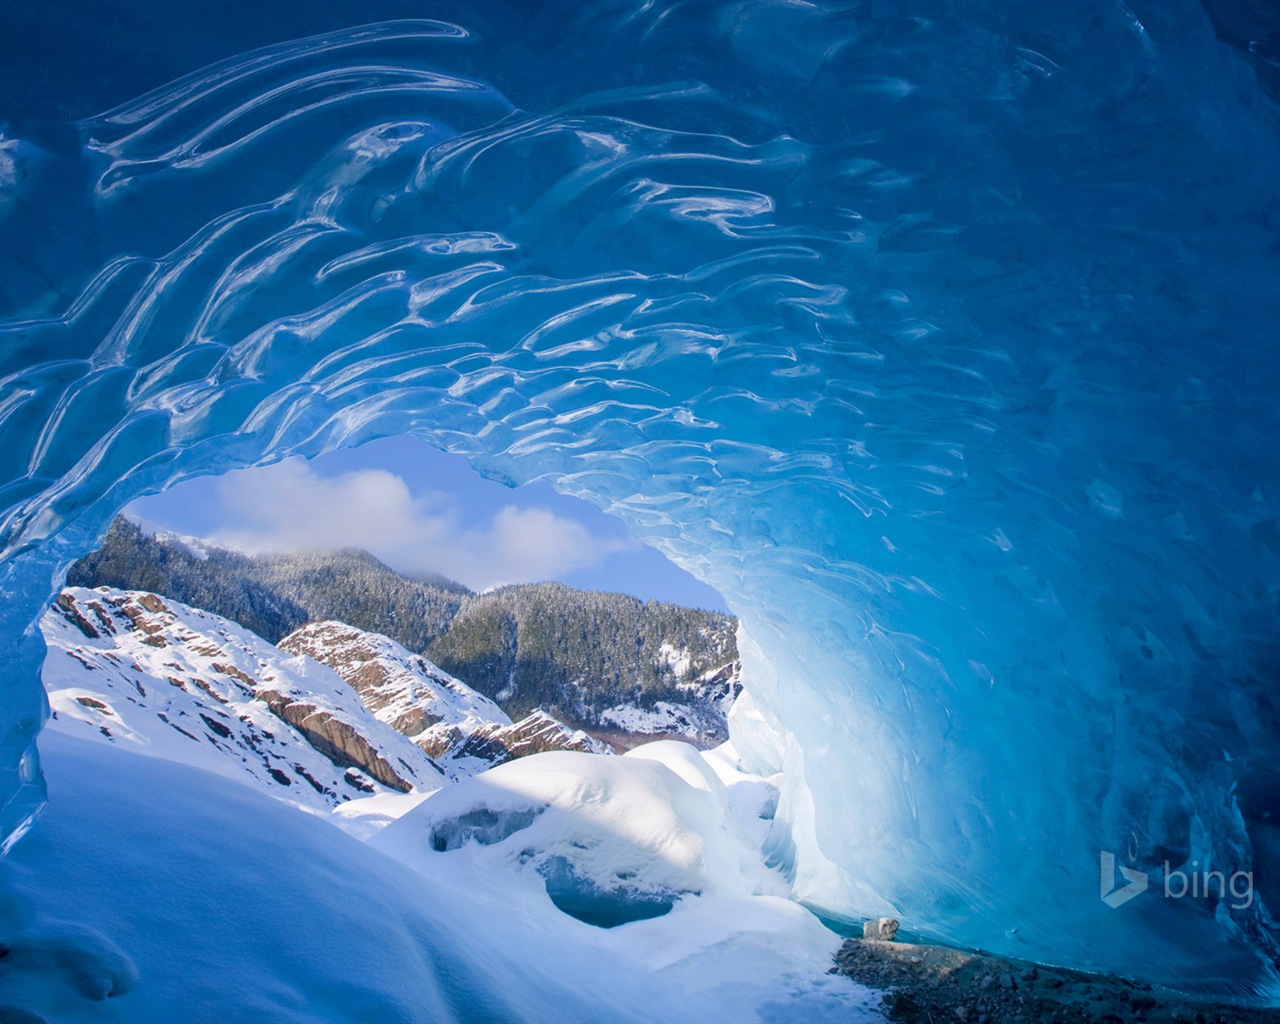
[597,660]
[272,594]
[580,653]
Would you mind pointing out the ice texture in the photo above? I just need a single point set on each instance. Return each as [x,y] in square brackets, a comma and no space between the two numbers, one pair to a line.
[940,337]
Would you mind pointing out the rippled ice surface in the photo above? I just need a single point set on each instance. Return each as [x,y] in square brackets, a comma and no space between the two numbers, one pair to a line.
[940,337]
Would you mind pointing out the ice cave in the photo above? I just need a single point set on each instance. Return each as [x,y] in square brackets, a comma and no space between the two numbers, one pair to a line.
[939,336]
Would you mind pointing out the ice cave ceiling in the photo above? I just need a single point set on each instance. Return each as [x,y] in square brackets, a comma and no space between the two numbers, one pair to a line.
[941,337]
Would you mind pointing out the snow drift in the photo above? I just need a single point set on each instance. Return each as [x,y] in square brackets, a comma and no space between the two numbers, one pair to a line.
[612,839]
[209,902]
[938,342]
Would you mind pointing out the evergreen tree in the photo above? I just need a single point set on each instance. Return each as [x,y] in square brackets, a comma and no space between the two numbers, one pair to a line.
[575,653]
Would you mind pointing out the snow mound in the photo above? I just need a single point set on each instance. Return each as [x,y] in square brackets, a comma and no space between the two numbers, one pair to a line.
[685,761]
[611,840]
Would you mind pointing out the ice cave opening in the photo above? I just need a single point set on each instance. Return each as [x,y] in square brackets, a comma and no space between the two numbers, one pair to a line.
[938,345]
[416,627]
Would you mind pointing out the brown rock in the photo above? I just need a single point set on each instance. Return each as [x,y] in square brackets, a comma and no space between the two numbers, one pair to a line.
[334,738]
[536,733]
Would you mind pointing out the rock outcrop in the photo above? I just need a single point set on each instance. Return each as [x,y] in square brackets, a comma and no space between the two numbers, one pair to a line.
[133,669]
[337,740]
[536,733]
[460,729]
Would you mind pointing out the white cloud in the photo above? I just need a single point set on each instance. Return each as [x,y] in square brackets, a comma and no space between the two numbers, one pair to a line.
[289,507]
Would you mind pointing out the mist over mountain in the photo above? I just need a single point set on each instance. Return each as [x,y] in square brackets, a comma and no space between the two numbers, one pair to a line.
[603,661]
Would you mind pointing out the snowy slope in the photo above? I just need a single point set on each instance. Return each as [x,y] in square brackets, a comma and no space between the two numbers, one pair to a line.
[131,669]
[699,715]
[513,874]
[612,839]
[654,857]
[403,689]
[198,900]
[462,730]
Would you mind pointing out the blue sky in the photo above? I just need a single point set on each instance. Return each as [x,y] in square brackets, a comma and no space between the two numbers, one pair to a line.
[420,510]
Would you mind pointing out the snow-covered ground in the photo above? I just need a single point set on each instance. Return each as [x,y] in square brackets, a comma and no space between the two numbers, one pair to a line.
[563,886]
[621,839]
[153,891]
[664,718]
[129,669]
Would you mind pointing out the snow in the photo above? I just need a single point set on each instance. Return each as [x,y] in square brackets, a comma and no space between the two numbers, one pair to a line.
[752,799]
[175,682]
[676,659]
[564,885]
[226,906]
[611,839]
[197,547]
[366,816]
[711,697]
[665,717]
[194,897]
[685,761]
[663,816]
[756,958]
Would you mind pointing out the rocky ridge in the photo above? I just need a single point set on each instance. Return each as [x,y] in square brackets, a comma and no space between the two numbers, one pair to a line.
[133,669]
[461,730]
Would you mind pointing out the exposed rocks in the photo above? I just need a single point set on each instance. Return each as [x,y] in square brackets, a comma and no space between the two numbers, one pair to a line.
[235,673]
[66,604]
[152,603]
[401,688]
[458,730]
[138,609]
[449,721]
[335,739]
[214,669]
[318,786]
[353,779]
[932,984]
[208,688]
[216,726]
[536,733]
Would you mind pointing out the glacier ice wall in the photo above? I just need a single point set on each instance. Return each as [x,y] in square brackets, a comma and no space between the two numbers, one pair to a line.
[940,337]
